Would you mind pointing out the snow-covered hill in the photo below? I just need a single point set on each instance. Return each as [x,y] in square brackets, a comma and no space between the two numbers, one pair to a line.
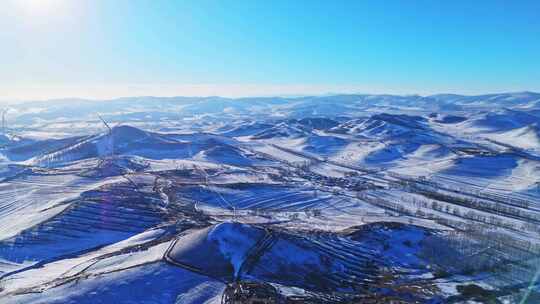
[323,199]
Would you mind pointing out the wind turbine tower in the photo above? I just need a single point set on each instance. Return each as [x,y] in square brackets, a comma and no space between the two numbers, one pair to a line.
[4,111]
[110,135]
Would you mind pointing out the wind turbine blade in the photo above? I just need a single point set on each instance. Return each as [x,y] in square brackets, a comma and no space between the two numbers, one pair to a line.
[105,123]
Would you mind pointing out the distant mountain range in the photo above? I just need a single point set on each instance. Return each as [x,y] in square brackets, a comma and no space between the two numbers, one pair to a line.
[174,108]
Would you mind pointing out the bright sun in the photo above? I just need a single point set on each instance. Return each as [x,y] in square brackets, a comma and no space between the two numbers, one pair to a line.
[41,7]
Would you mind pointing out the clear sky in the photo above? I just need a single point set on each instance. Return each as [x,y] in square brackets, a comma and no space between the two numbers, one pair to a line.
[100,49]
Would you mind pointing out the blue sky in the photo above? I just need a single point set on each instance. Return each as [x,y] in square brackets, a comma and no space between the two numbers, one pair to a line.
[99,49]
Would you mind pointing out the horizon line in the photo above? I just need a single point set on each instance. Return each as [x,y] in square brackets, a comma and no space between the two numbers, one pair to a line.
[98,92]
[284,96]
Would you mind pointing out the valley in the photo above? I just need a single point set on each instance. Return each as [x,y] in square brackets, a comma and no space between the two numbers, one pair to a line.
[329,199]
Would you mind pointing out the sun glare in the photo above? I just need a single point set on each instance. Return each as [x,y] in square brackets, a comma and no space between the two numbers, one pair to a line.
[41,7]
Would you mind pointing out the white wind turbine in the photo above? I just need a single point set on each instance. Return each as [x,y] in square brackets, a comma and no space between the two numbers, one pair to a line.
[109,135]
[4,122]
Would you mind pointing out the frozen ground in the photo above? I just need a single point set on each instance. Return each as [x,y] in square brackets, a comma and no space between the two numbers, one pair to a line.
[336,199]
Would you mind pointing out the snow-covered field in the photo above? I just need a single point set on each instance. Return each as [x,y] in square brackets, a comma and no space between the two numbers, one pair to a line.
[343,198]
